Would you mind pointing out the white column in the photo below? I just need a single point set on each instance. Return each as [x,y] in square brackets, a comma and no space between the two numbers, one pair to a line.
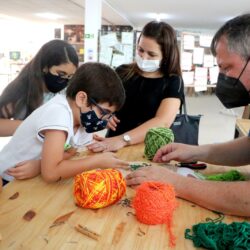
[93,17]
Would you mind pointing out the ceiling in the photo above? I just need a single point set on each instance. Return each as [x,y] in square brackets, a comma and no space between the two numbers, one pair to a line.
[192,14]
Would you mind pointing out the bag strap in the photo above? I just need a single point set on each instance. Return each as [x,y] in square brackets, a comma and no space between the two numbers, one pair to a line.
[183,106]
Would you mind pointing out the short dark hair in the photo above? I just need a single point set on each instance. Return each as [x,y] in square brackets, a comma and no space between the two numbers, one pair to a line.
[100,82]
[237,33]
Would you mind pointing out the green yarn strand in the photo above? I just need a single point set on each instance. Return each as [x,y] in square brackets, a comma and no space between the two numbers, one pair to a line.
[220,236]
[232,175]
[156,138]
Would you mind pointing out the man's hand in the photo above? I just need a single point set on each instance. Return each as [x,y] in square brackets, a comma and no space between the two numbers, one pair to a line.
[102,144]
[153,173]
[176,151]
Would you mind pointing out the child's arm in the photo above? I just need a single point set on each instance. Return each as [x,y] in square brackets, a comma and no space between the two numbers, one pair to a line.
[69,153]
[32,168]
[54,167]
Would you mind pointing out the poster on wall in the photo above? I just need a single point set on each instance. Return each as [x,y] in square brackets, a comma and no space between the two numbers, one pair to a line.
[57,33]
[15,55]
[208,61]
[188,77]
[205,41]
[188,42]
[74,33]
[200,79]
[198,56]
[115,50]
[213,75]
[186,60]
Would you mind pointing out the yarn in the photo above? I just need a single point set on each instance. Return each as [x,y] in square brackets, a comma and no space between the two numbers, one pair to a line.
[154,203]
[98,188]
[155,138]
[135,166]
[220,236]
[67,146]
[232,175]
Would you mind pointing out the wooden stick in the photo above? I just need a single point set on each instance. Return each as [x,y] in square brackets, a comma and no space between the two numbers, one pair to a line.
[87,232]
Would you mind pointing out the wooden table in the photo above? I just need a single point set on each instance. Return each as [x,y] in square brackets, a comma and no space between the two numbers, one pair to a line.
[117,226]
[242,126]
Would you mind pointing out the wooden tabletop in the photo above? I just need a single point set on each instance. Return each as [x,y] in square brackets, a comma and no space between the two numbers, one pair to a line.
[36,215]
[243,126]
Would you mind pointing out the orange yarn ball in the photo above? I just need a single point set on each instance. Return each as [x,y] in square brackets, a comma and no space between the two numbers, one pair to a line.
[154,203]
[98,188]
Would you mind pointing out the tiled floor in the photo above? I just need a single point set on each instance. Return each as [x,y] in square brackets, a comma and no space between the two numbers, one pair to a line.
[217,124]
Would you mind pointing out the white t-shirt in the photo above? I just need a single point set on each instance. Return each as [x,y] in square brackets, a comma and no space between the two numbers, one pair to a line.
[27,141]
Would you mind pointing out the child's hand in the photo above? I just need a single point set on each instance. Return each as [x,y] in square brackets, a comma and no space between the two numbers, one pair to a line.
[25,169]
[69,153]
[109,160]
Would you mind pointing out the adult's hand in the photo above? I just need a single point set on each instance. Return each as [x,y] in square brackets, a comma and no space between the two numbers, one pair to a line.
[102,144]
[152,173]
[176,151]
[112,123]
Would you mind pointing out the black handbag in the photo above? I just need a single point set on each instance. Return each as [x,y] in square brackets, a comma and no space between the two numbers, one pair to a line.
[186,127]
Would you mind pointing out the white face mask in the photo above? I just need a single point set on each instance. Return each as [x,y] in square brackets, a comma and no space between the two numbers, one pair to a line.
[147,65]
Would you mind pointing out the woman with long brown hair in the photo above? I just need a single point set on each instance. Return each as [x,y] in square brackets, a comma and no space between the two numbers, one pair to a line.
[154,89]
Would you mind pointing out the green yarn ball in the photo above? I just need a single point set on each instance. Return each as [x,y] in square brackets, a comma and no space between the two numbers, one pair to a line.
[220,236]
[156,138]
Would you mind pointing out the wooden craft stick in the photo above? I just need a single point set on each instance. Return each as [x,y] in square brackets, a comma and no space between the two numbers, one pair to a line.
[87,232]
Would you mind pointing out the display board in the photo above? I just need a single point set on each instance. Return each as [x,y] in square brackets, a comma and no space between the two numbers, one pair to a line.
[116,45]
[199,66]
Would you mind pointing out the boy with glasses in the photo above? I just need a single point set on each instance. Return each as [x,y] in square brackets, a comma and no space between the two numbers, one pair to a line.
[39,141]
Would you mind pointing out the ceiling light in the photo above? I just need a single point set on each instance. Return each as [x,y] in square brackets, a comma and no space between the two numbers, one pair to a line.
[49,15]
[159,16]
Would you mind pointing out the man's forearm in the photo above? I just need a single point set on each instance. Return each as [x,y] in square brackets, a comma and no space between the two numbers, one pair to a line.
[232,153]
[226,197]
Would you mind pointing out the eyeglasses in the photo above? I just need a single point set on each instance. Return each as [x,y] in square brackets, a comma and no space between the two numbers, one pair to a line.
[64,76]
[106,115]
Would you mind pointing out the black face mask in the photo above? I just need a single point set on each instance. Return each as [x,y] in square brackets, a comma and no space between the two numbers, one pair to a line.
[55,83]
[231,92]
[91,122]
